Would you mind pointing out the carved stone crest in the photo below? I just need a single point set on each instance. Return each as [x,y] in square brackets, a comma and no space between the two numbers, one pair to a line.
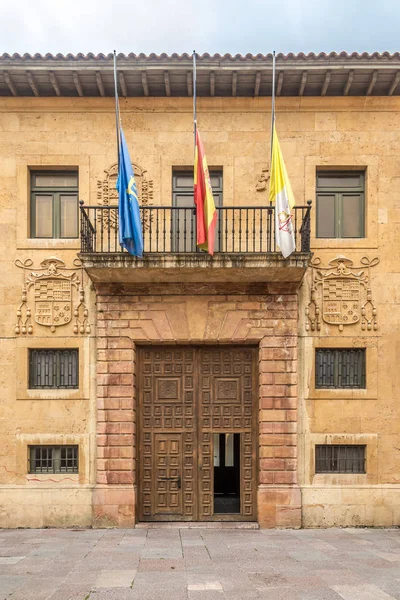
[107,193]
[58,296]
[262,180]
[341,294]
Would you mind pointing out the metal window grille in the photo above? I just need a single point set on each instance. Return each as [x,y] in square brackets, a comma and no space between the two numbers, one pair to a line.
[54,369]
[53,459]
[339,458]
[340,368]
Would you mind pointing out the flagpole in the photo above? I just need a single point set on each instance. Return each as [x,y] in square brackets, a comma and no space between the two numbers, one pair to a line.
[116,103]
[273,101]
[194,98]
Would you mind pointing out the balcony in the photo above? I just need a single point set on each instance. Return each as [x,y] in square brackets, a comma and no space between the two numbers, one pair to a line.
[245,247]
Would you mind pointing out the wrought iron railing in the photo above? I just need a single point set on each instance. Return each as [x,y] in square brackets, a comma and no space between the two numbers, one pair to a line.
[172,229]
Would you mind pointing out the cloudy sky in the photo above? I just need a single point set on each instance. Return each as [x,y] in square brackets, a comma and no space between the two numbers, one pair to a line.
[204,25]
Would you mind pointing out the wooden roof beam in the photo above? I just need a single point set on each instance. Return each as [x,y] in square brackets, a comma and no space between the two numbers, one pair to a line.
[394,84]
[10,83]
[280,83]
[77,83]
[54,83]
[349,81]
[122,83]
[100,84]
[167,83]
[257,84]
[326,83]
[145,83]
[32,83]
[303,83]
[372,82]
[212,83]
[189,83]
[234,83]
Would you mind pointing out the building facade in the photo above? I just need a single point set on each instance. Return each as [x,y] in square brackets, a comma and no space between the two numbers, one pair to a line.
[180,387]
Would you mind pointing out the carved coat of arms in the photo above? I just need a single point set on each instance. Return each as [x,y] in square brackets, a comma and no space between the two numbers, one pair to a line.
[58,296]
[107,193]
[341,294]
[262,180]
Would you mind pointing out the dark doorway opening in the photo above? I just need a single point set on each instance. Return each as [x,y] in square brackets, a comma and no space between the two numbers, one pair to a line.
[226,473]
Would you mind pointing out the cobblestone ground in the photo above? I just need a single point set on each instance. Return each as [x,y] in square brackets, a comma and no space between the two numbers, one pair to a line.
[199,564]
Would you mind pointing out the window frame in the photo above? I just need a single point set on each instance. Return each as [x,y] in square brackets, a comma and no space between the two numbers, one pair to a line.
[32,374]
[188,192]
[56,193]
[339,192]
[341,448]
[337,376]
[55,459]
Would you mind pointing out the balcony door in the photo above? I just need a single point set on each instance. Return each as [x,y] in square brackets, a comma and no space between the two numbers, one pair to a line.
[183,219]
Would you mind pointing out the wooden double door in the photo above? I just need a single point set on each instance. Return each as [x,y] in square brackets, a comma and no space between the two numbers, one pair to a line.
[197,434]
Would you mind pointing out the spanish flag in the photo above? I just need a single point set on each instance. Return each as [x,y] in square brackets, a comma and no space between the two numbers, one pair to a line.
[280,192]
[203,197]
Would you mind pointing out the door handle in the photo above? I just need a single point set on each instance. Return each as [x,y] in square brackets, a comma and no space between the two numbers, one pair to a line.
[177,479]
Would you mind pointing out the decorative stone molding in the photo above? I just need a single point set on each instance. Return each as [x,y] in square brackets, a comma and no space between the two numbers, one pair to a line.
[341,294]
[262,180]
[57,294]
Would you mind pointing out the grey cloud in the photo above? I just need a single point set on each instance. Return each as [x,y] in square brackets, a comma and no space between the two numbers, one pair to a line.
[206,25]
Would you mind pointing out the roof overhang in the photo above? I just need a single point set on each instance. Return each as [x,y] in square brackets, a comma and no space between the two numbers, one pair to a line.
[227,76]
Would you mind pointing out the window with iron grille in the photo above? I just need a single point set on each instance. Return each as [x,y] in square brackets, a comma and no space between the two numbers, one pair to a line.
[54,204]
[340,204]
[53,459]
[54,369]
[339,458]
[340,368]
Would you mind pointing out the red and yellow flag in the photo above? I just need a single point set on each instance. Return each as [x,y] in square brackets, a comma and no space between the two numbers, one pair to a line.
[203,197]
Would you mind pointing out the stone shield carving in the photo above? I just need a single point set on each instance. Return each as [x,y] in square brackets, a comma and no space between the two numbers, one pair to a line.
[262,180]
[57,295]
[108,196]
[341,294]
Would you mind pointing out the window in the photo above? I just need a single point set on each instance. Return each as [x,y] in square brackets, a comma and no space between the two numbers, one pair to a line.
[53,369]
[339,459]
[184,224]
[54,204]
[53,459]
[340,368]
[340,204]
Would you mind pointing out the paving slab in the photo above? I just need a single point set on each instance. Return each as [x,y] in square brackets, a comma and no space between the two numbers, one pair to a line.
[200,563]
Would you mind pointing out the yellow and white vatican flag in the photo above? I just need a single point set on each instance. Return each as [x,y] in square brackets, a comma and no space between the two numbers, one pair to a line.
[280,193]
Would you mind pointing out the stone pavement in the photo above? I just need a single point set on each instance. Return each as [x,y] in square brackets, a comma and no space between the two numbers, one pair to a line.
[199,564]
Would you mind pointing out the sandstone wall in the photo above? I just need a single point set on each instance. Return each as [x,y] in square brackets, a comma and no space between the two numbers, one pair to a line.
[314,132]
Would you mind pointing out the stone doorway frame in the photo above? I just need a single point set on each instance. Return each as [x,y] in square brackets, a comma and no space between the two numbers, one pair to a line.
[246,320]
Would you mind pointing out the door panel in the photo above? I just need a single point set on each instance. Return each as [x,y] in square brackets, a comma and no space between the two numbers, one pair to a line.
[168,473]
[187,398]
[227,383]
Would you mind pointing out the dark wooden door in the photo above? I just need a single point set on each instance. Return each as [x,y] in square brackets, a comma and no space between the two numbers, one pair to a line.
[226,388]
[167,450]
[186,397]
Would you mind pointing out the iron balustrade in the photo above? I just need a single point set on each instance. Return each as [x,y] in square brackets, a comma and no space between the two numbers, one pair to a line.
[172,229]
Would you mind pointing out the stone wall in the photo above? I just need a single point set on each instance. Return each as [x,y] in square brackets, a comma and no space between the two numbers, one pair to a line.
[205,315]
[328,132]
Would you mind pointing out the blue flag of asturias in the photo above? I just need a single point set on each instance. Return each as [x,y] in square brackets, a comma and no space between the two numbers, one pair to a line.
[130,226]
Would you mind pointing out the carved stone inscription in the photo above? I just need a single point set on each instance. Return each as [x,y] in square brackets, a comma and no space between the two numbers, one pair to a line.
[58,296]
[341,294]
